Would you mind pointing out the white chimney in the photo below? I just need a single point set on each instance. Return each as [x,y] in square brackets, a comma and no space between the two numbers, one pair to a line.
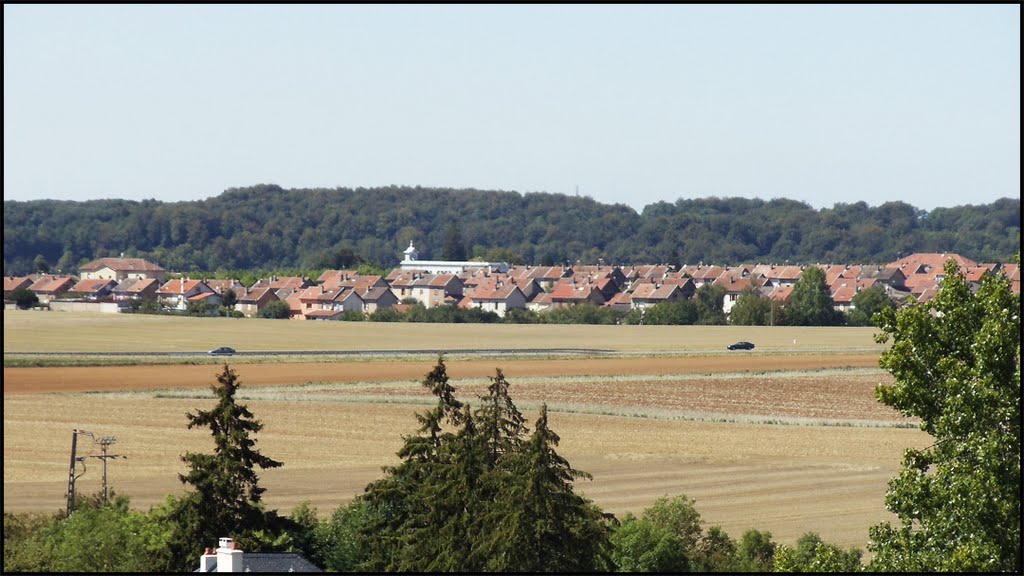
[229,557]
[207,560]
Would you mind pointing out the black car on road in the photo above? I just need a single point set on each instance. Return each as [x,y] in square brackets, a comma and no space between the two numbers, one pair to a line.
[741,346]
[222,351]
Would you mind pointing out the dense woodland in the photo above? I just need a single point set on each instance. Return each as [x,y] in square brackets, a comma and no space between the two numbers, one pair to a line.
[271,228]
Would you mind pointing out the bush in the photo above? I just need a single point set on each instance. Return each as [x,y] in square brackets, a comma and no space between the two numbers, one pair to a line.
[24,298]
[277,309]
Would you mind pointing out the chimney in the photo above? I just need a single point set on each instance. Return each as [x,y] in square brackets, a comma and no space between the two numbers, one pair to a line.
[207,561]
[229,557]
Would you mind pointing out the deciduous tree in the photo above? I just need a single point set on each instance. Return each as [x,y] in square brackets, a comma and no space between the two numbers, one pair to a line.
[956,367]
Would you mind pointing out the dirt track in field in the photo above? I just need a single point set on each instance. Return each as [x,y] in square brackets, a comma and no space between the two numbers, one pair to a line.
[108,378]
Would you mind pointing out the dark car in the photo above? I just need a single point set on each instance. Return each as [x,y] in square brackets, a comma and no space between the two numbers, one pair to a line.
[222,351]
[741,346]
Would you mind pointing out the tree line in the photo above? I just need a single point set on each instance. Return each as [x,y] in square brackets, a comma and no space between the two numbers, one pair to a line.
[269,227]
[478,489]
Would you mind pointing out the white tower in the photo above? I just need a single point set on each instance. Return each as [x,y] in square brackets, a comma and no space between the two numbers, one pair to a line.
[410,253]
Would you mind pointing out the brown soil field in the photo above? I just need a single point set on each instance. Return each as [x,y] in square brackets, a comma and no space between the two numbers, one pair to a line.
[334,425]
[106,378]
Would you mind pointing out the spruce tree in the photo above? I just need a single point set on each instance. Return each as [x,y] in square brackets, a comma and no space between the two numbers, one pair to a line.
[538,523]
[227,501]
[397,503]
[439,533]
[501,424]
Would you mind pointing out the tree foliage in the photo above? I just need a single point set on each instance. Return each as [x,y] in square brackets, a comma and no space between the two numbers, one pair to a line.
[751,309]
[266,226]
[471,494]
[811,304]
[956,367]
[639,545]
[24,298]
[812,554]
[867,303]
[278,309]
[100,536]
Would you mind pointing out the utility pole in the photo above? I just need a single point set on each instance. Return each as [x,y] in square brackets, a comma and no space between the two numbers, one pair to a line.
[104,443]
[71,469]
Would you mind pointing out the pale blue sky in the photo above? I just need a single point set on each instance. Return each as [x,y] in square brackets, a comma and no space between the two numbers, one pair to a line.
[822,104]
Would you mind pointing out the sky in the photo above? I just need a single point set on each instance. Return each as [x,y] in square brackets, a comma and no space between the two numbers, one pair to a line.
[624,104]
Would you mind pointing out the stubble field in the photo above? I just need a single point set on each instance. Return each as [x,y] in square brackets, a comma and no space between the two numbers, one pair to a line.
[788,439]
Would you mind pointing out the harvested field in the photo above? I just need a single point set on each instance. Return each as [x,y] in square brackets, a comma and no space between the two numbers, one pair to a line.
[27,332]
[787,438]
[787,479]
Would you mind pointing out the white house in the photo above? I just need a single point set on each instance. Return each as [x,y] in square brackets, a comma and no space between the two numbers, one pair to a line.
[411,261]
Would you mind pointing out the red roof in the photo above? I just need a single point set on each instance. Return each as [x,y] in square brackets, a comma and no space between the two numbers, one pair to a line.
[492,292]
[121,265]
[323,314]
[142,285]
[932,260]
[93,286]
[202,296]
[52,284]
[181,286]
[12,283]
[257,295]
[656,291]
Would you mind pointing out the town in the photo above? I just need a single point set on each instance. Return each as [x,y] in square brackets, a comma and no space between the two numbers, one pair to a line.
[113,284]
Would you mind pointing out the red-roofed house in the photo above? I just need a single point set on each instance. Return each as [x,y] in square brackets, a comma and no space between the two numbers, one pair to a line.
[498,297]
[142,289]
[427,289]
[845,289]
[734,286]
[540,302]
[250,302]
[570,294]
[318,298]
[378,298]
[15,283]
[49,287]
[179,291]
[94,289]
[621,301]
[121,269]
[646,295]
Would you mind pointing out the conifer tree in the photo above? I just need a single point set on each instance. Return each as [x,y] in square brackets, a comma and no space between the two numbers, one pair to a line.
[227,500]
[501,424]
[439,536]
[396,501]
[539,524]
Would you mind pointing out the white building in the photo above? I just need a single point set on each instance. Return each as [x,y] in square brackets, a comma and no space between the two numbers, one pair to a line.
[411,262]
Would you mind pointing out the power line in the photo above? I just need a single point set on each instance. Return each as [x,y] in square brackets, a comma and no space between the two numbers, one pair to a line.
[104,443]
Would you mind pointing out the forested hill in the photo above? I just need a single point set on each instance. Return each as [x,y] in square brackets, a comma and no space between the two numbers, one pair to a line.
[268,227]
